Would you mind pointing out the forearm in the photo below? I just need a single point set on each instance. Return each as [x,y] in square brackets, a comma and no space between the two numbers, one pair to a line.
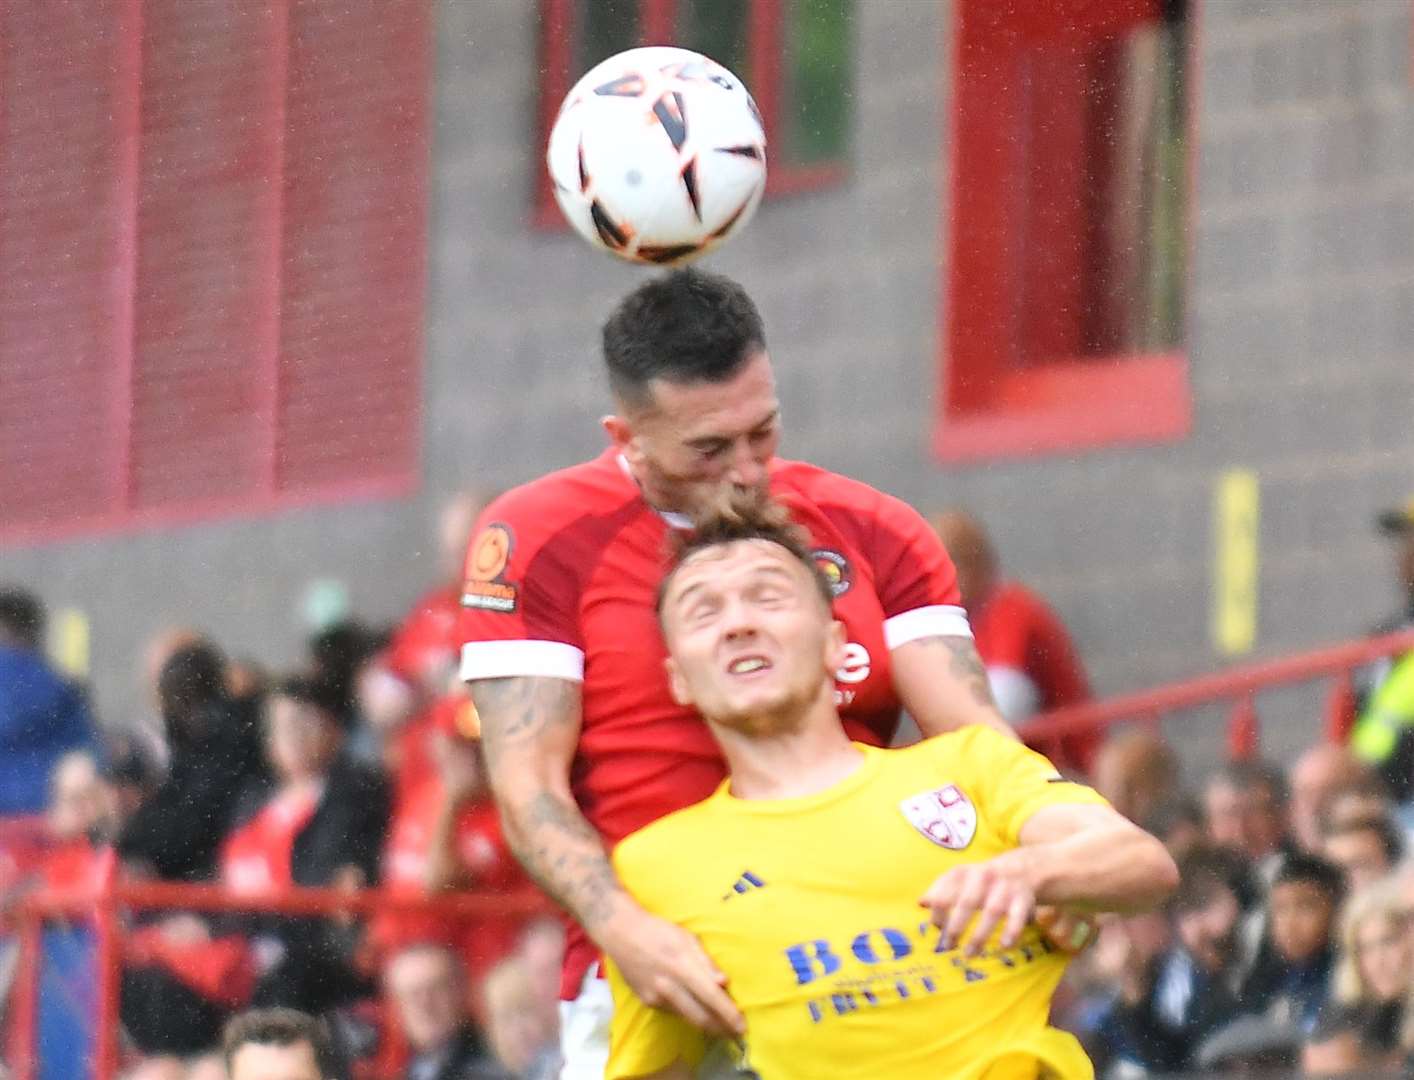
[530,730]
[1106,868]
[561,850]
[444,870]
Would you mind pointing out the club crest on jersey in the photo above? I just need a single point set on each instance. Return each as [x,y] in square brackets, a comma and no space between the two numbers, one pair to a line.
[945,816]
[835,567]
[484,586]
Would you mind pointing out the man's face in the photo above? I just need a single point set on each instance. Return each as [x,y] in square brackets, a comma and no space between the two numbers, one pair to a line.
[429,995]
[750,638]
[267,1061]
[1360,853]
[694,437]
[1246,819]
[1301,920]
[300,741]
[1209,932]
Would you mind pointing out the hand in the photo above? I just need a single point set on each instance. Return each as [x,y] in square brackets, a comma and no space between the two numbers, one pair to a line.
[995,891]
[668,969]
[1069,931]
[182,930]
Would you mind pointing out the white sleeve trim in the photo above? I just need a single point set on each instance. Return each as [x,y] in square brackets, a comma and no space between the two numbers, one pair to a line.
[938,620]
[514,659]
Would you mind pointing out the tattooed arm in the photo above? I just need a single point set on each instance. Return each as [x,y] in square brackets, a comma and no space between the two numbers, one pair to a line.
[529,730]
[943,685]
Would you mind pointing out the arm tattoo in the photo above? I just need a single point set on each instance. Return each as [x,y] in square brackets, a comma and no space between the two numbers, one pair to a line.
[546,830]
[516,711]
[965,664]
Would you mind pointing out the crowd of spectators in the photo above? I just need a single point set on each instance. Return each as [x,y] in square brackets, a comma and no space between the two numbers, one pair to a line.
[1289,943]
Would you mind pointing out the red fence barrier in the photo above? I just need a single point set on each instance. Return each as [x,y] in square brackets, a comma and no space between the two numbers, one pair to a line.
[1239,685]
[116,897]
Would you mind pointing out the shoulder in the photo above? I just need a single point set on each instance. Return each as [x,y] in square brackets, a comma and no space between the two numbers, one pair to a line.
[975,748]
[557,500]
[823,487]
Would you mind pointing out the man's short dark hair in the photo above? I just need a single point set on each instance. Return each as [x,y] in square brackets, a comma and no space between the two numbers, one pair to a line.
[1245,775]
[745,515]
[686,326]
[1203,875]
[22,617]
[316,692]
[279,1027]
[1299,867]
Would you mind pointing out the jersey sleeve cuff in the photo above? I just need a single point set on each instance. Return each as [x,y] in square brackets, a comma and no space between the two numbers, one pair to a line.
[516,659]
[937,620]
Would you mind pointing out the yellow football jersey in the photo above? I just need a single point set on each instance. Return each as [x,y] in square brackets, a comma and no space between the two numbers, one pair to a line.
[811,907]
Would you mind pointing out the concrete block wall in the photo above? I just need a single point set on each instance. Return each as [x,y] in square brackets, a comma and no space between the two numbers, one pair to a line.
[1300,346]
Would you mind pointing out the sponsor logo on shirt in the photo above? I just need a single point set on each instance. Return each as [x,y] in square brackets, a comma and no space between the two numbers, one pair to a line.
[945,816]
[485,586]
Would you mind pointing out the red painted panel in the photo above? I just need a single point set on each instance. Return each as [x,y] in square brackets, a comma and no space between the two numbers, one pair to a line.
[64,105]
[356,148]
[208,203]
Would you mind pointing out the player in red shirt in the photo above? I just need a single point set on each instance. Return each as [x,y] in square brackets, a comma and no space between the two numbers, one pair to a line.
[1032,664]
[583,739]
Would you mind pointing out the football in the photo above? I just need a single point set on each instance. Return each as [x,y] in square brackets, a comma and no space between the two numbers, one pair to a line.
[658,155]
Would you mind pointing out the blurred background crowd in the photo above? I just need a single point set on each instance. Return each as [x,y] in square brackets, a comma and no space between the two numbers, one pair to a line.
[1290,941]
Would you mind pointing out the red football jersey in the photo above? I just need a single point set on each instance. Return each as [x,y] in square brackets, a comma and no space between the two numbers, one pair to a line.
[1033,664]
[561,581]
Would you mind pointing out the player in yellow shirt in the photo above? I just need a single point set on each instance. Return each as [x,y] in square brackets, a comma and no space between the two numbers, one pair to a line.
[873,911]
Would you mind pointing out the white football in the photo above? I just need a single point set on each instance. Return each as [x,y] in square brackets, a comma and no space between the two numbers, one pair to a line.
[658,155]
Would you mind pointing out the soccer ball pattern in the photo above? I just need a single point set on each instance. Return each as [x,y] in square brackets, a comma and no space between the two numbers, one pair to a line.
[657,155]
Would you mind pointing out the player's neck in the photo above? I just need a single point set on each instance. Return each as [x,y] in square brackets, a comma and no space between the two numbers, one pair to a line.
[802,761]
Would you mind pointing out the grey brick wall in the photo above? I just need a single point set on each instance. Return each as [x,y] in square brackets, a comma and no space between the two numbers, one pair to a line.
[1301,324]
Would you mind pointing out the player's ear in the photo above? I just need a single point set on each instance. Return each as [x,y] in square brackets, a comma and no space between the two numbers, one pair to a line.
[836,638]
[677,685]
[619,432]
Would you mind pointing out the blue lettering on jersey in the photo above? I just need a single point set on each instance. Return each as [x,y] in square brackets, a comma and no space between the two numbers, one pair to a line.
[806,958]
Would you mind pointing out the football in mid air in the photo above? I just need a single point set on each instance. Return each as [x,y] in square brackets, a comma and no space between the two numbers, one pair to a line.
[658,155]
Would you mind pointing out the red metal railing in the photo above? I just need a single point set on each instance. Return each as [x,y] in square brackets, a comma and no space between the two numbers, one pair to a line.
[1238,685]
[105,909]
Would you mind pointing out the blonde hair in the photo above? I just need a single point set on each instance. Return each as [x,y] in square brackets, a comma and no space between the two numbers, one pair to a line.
[1380,900]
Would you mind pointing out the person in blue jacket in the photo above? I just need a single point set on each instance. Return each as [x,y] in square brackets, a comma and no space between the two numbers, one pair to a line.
[42,714]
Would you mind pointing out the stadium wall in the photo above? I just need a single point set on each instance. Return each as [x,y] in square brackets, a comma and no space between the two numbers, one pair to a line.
[1301,314]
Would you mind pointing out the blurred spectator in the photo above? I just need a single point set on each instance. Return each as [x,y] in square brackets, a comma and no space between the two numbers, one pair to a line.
[1291,978]
[336,654]
[419,664]
[207,1067]
[279,1044]
[213,756]
[1168,1005]
[1359,1030]
[445,834]
[1136,770]
[164,1067]
[542,948]
[524,1025]
[322,825]
[1356,800]
[42,715]
[1382,735]
[1178,823]
[1244,803]
[1031,661]
[1314,776]
[79,822]
[1365,849]
[428,987]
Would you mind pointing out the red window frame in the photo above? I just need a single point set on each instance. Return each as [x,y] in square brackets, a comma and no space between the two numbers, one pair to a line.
[993,406]
[765,42]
